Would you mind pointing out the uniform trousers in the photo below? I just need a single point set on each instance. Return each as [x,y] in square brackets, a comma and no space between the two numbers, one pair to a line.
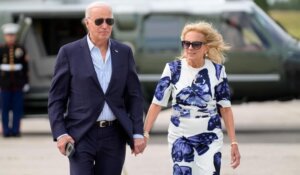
[12,100]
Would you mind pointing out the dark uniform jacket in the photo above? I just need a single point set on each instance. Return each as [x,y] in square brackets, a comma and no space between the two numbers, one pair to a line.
[13,67]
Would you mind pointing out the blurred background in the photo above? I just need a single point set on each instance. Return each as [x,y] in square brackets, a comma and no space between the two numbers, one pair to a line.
[285,12]
[263,69]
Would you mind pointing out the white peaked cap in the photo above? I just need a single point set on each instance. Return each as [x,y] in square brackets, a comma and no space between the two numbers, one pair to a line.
[10,28]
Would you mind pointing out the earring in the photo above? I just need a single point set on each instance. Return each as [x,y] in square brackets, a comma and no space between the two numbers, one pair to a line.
[206,55]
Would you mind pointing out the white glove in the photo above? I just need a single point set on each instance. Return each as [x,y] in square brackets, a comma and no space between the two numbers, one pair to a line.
[26,88]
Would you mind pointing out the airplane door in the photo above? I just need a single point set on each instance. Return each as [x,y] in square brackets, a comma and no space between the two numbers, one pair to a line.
[43,39]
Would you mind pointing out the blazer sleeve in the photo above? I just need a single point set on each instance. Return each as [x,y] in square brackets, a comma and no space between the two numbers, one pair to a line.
[58,95]
[134,97]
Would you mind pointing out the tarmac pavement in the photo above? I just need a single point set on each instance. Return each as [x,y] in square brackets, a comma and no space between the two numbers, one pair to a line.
[35,153]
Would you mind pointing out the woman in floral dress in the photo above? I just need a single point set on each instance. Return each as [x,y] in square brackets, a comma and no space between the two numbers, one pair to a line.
[200,94]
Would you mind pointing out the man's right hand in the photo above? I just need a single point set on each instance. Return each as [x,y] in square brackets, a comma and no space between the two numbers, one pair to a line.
[62,142]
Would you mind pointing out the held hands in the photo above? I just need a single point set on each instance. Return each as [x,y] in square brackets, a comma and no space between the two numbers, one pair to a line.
[235,155]
[139,146]
[62,142]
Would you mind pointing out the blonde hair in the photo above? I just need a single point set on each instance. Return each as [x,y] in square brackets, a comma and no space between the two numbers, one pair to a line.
[213,39]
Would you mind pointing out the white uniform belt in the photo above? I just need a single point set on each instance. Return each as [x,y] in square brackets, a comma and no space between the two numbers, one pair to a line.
[11,67]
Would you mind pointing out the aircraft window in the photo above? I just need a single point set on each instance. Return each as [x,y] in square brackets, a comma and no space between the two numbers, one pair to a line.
[126,22]
[274,28]
[162,33]
[241,33]
[56,32]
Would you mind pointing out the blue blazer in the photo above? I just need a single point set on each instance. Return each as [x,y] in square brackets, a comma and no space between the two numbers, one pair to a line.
[76,98]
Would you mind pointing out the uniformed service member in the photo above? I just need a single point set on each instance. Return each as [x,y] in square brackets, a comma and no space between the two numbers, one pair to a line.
[13,80]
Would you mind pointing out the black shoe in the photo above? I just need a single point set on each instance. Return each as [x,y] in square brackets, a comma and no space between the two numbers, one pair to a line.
[16,135]
[6,135]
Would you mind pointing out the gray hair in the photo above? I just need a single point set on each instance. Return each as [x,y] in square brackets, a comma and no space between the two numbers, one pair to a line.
[96,4]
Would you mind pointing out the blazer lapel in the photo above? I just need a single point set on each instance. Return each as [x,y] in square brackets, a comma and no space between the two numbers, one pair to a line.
[87,56]
[114,62]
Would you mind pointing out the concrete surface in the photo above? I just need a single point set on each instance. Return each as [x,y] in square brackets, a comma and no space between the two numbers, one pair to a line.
[35,153]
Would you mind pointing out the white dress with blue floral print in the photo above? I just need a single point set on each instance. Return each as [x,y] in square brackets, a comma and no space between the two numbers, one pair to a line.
[195,136]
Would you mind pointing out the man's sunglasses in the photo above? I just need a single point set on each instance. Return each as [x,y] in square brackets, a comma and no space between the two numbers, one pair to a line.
[108,21]
[195,44]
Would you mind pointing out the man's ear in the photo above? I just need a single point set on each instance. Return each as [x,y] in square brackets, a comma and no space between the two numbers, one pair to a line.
[85,22]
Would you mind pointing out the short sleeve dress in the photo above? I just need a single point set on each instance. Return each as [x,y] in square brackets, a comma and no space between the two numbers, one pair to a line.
[195,136]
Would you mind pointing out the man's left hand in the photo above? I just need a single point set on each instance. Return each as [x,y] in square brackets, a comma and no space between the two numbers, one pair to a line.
[139,146]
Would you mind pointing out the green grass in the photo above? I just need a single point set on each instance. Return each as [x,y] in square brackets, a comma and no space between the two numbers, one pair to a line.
[290,19]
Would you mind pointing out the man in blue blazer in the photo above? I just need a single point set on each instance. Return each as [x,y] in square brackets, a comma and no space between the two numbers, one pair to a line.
[95,100]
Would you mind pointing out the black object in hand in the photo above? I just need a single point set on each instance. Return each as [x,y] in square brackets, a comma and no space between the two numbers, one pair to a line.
[70,149]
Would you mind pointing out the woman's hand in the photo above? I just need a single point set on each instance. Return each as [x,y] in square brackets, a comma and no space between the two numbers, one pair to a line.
[235,156]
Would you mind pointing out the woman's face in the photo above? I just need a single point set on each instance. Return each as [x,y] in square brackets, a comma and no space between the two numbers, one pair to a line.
[193,46]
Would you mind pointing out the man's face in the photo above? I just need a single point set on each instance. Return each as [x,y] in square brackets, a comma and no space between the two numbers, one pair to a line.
[99,32]
[10,38]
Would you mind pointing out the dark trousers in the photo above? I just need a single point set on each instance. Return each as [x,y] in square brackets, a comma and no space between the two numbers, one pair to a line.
[100,152]
[12,100]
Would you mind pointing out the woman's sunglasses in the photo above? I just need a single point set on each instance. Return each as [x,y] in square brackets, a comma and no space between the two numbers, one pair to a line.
[195,44]
[108,21]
